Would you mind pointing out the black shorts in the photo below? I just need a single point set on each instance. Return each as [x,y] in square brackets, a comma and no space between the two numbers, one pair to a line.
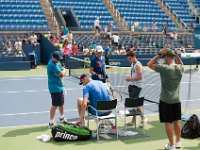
[169,112]
[134,91]
[97,28]
[57,99]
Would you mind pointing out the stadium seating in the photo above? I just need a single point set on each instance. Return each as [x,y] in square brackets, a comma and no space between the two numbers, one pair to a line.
[143,11]
[180,9]
[22,15]
[86,12]
[196,3]
[143,43]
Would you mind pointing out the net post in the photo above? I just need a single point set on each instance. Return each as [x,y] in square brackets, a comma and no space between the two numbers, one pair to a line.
[68,64]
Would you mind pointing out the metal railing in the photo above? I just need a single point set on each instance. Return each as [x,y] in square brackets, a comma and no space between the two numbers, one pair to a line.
[75,17]
[62,20]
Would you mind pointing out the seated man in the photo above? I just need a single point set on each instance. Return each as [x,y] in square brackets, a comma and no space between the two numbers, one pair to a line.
[93,91]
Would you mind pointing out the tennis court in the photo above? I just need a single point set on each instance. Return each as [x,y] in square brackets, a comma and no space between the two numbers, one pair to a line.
[25,104]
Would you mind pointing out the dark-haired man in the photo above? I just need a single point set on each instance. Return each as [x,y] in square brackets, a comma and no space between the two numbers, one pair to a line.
[135,84]
[55,72]
[170,106]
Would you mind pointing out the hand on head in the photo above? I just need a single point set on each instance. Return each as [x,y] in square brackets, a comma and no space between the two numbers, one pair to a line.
[163,51]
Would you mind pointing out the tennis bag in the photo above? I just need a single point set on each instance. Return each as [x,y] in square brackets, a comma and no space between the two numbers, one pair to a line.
[191,129]
[70,132]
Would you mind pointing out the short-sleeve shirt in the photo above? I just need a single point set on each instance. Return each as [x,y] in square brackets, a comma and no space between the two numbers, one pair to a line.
[106,50]
[95,91]
[99,67]
[54,83]
[171,76]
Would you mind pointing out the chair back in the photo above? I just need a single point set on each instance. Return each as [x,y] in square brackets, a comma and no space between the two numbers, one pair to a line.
[134,102]
[106,105]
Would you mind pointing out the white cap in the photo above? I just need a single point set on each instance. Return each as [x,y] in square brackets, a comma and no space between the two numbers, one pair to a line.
[99,49]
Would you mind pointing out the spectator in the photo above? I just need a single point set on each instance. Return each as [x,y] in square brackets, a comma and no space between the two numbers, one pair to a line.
[131,49]
[97,26]
[18,47]
[122,51]
[110,26]
[75,49]
[70,37]
[154,26]
[132,29]
[33,38]
[86,51]
[165,29]
[116,51]
[107,54]
[145,28]
[174,36]
[136,25]
[65,31]
[116,39]
[66,49]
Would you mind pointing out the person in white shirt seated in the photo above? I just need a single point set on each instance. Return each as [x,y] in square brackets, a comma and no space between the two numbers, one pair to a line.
[122,51]
[116,51]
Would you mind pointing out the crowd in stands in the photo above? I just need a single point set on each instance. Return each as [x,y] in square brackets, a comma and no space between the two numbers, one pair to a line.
[12,45]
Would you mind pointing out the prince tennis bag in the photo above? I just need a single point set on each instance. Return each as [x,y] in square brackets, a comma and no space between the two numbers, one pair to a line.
[191,129]
[70,132]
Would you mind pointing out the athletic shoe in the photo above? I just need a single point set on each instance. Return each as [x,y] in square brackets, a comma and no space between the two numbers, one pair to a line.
[178,145]
[169,147]
[51,125]
[63,120]
[142,122]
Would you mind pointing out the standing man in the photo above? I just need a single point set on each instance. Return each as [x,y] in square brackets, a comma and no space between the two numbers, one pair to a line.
[170,106]
[55,73]
[97,69]
[107,54]
[97,26]
[135,84]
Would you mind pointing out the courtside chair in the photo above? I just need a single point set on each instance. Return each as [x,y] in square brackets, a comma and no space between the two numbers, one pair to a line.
[129,105]
[103,106]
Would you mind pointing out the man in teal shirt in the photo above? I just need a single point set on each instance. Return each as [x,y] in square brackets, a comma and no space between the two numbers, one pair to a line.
[55,73]
[170,105]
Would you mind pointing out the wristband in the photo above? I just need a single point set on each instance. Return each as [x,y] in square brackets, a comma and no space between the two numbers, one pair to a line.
[159,54]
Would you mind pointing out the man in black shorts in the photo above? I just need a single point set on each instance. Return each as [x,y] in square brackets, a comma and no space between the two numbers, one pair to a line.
[170,106]
[135,85]
[55,73]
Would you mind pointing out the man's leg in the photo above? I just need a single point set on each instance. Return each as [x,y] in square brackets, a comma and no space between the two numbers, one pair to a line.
[79,103]
[52,112]
[169,132]
[177,130]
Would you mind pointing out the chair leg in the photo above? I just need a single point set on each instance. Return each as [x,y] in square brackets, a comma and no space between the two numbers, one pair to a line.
[116,125]
[125,123]
[97,123]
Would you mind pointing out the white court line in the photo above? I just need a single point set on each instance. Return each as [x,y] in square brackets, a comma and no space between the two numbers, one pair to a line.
[34,91]
[31,113]
[72,110]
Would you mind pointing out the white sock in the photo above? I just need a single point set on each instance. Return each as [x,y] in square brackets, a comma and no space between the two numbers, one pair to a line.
[62,116]
[51,121]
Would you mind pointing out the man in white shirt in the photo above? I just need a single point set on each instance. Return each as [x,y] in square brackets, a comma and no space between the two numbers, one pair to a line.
[116,39]
[97,25]
[135,84]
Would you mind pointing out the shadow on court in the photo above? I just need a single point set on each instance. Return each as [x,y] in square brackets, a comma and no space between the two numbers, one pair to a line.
[25,131]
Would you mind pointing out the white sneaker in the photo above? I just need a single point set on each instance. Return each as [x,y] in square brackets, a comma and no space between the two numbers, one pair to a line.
[170,147]
[178,145]
[143,122]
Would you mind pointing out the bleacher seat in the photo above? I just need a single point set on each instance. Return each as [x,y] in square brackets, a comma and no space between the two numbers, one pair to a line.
[143,11]
[17,15]
[86,12]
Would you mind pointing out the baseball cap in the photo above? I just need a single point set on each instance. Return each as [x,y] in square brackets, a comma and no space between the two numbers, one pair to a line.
[170,53]
[81,78]
[56,55]
[99,49]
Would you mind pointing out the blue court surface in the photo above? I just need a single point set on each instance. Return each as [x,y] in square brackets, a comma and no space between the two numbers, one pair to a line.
[26,100]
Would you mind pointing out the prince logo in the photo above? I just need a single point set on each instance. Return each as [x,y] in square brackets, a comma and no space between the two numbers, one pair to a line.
[66,136]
